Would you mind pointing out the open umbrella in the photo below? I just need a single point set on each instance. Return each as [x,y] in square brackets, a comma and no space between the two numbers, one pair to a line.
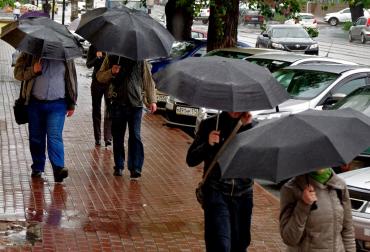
[221,83]
[297,144]
[125,32]
[42,37]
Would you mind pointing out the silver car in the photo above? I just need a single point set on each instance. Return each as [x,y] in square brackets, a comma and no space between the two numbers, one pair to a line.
[360,30]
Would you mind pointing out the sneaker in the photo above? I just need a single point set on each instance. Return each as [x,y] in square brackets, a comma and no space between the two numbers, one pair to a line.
[60,174]
[36,174]
[108,142]
[117,172]
[134,175]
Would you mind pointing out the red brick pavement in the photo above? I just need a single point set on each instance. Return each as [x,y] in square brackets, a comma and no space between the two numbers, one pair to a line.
[95,211]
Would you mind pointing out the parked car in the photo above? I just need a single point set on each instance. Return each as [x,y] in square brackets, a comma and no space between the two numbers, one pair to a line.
[358,100]
[203,13]
[341,16]
[316,86]
[307,20]
[180,50]
[250,14]
[292,38]
[277,60]
[360,30]
[136,5]
[198,34]
[359,191]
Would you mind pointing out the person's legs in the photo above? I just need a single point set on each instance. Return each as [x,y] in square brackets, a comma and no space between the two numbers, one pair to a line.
[135,146]
[217,229]
[96,96]
[119,122]
[241,218]
[37,131]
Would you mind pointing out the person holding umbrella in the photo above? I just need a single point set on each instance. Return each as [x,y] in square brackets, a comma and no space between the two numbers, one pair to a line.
[316,214]
[128,80]
[227,203]
[50,90]
[95,59]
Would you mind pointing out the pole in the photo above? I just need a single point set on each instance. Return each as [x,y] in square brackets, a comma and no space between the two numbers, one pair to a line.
[52,9]
[64,10]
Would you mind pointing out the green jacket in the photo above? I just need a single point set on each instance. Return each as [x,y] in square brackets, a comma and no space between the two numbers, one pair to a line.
[23,71]
[137,93]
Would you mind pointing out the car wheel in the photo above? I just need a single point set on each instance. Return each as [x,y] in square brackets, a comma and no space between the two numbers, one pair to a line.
[205,21]
[333,21]
[363,39]
[350,39]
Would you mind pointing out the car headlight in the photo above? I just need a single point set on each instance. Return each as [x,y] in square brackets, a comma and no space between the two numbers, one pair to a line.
[314,46]
[277,45]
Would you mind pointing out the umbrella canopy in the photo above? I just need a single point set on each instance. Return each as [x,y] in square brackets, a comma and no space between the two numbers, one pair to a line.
[297,144]
[221,83]
[125,32]
[42,37]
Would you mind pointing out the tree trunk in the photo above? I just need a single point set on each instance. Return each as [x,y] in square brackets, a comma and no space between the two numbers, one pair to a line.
[179,19]
[89,5]
[74,9]
[356,11]
[223,24]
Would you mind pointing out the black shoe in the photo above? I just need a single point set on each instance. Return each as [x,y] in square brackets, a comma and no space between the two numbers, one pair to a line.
[117,172]
[36,174]
[108,142]
[97,143]
[134,175]
[60,174]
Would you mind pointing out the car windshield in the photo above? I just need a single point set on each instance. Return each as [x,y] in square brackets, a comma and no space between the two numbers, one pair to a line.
[270,64]
[289,32]
[304,84]
[358,100]
[180,48]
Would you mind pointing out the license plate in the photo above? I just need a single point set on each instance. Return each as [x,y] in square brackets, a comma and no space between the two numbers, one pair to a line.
[162,98]
[186,111]
[254,18]
[366,232]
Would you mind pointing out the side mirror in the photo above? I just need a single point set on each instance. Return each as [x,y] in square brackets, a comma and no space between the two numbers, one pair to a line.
[265,35]
[333,99]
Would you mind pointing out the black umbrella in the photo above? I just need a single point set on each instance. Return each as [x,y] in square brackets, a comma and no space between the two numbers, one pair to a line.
[125,32]
[297,144]
[42,37]
[221,83]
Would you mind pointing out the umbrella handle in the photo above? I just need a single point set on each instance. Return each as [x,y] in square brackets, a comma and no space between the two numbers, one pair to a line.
[119,59]
[217,119]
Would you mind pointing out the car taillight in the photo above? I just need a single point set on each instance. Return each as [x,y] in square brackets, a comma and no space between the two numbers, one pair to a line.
[368,22]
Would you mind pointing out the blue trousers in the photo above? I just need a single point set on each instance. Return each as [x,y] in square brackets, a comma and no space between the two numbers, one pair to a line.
[121,117]
[227,221]
[46,122]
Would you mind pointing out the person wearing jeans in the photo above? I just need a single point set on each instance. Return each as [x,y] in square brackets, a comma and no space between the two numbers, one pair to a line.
[50,91]
[227,203]
[128,80]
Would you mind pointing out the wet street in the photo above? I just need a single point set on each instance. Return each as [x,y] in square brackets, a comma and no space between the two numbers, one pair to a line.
[95,211]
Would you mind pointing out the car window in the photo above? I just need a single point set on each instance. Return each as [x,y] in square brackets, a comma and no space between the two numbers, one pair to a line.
[291,32]
[306,17]
[358,100]
[351,85]
[180,48]
[346,11]
[304,84]
[197,34]
[271,65]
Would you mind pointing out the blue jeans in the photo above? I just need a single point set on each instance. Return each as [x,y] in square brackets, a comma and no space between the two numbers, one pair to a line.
[121,117]
[46,122]
[227,221]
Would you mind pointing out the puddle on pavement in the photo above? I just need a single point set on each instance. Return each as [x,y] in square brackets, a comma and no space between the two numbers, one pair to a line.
[15,233]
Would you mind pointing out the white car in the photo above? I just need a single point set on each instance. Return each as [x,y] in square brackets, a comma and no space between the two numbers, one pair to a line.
[341,16]
[307,20]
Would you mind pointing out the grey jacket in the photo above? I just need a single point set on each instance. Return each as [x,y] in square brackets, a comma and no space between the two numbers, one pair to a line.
[23,71]
[327,228]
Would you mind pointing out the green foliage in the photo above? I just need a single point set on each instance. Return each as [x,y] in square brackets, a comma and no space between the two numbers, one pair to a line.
[4,3]
[347,25]
[279,18]
[313,32]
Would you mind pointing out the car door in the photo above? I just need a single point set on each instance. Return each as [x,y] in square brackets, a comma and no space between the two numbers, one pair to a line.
[345,15]
[356,31]
[264,39]
[345,87]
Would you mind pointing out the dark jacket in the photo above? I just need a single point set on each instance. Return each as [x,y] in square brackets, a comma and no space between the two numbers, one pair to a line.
[23,71]
[93,61]
[200,151]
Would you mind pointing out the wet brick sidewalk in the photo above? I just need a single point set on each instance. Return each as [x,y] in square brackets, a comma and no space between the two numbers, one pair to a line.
[95,211]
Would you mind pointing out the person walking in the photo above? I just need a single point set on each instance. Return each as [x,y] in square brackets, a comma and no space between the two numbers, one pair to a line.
[50,91]
[316,214]
[227,203]
[128,80]
[17,10]
[98,90]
